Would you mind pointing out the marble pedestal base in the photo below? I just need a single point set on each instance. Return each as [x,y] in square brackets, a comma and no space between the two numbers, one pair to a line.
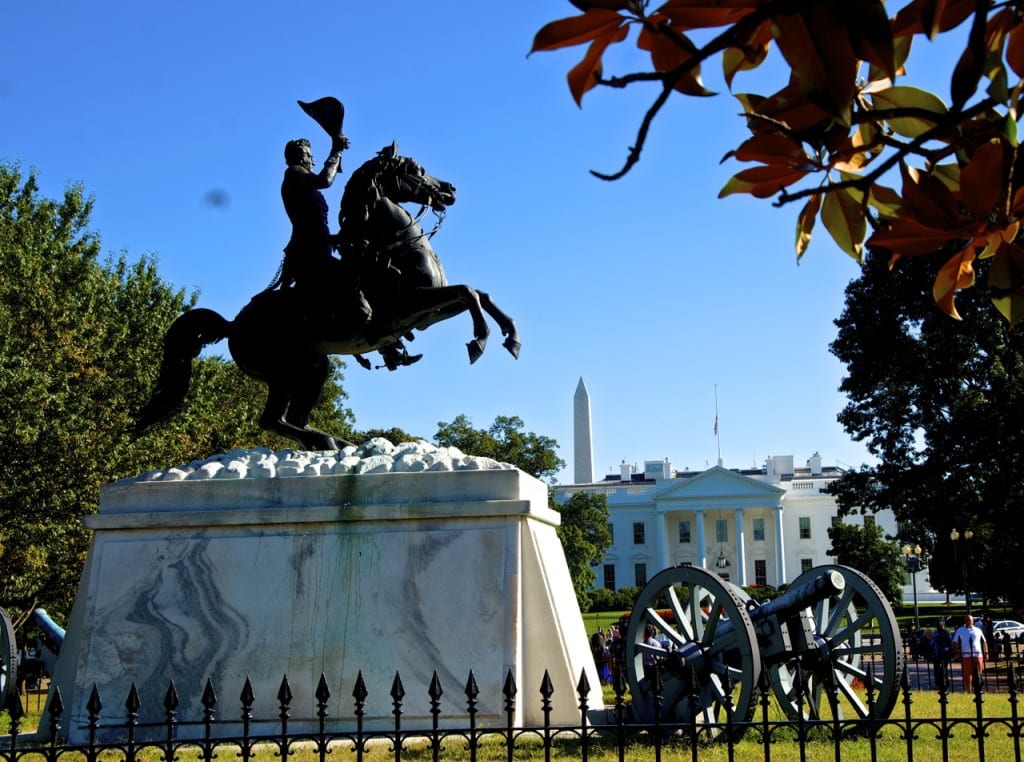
[337,575]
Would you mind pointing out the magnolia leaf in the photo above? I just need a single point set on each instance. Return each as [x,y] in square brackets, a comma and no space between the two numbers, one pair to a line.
[909,238]
[948,175]
[773,148]
[748,54]
[854,160]
[705,14]
[905,96]
[981,181]
[929,200]
[931,17]
[670,49]
[871,34]
[816,45]
[855,193]
[886,201]
[762,182]
[998,87]
[584,75]
[966,75]
[1015,50]
[843,217]
[805,224]
[901,52]
[576,29]
[955,275]
[1006,282]
[1010,131]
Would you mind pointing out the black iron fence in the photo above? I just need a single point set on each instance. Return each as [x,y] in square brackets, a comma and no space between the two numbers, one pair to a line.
[607,732]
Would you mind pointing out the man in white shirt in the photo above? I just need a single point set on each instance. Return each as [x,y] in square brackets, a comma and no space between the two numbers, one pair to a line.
[970,642]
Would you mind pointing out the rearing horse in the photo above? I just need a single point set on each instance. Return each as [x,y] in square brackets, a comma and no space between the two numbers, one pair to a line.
[282,339]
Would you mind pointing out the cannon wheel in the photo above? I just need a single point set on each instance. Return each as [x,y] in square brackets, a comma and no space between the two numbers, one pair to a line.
[840,624]
[8,660]
[712,669]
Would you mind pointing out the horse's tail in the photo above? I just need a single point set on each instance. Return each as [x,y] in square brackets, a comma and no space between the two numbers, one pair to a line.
[182,343]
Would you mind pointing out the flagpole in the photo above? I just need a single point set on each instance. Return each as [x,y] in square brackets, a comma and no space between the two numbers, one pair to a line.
[718,437]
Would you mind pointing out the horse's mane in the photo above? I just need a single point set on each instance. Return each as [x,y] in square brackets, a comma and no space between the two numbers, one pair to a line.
[362,188]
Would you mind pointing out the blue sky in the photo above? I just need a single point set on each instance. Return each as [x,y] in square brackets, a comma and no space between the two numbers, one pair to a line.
[650,288]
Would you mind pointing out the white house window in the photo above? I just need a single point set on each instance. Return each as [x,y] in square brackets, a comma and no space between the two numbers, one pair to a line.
[639,533]
[684,531]
[760,571]
[640,573]
[806,564]
[805,527]
[609,576]
[611,532]
[758,525]
[721,530]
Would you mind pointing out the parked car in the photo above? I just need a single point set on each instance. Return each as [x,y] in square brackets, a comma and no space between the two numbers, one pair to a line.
[1011,627]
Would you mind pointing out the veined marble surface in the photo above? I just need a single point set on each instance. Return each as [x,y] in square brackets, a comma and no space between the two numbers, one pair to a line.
[446,571]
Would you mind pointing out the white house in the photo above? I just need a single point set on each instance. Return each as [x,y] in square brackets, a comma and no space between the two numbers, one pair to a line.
[756,526]
[752,526]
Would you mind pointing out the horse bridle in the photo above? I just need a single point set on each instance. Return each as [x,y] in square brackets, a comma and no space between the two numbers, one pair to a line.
[418,183]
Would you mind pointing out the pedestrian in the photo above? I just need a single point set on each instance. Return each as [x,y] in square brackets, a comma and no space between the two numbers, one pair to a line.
[969,642]
[941,654]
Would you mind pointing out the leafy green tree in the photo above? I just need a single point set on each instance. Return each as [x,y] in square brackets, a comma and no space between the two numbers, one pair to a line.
[80,346]
[585,538]
[863,547]
[504,441]
[394,435]
[936,401]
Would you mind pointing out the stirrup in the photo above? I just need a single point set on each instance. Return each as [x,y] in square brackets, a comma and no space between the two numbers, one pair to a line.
[395,358]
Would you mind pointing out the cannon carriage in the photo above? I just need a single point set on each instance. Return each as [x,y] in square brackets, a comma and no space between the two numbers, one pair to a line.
[831,634]
[16,664]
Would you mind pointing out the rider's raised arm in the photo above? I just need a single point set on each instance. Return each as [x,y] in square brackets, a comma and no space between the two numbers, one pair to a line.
[332,164]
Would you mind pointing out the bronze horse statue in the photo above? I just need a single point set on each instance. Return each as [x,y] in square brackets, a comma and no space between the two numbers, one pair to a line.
[284,340]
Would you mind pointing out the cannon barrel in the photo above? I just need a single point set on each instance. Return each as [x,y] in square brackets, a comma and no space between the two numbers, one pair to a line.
[826,584]
[53,633]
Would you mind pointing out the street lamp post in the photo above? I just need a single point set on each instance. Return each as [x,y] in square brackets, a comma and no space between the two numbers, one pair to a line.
[913,560]
[960,554]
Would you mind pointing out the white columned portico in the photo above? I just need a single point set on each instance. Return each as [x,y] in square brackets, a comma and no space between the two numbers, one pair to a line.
[663,535]
[780,548]
[741,566]
[702,559]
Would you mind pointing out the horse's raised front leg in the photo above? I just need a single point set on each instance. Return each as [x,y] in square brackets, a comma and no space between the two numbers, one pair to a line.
[437,304]
[505,323]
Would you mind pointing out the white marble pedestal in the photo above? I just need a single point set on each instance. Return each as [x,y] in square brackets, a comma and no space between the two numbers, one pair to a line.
[382,573]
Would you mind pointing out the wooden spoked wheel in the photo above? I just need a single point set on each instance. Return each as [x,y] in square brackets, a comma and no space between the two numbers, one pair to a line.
[856,639]
[707,659]
[8,660]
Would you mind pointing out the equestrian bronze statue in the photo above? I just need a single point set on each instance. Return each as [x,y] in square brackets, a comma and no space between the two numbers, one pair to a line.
[387,283]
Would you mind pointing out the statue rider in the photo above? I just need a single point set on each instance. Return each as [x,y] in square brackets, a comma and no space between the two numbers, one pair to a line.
[309,263]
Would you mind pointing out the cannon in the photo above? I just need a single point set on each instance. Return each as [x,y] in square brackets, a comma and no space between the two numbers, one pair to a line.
[48,645]
[15,665]
[833,625]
